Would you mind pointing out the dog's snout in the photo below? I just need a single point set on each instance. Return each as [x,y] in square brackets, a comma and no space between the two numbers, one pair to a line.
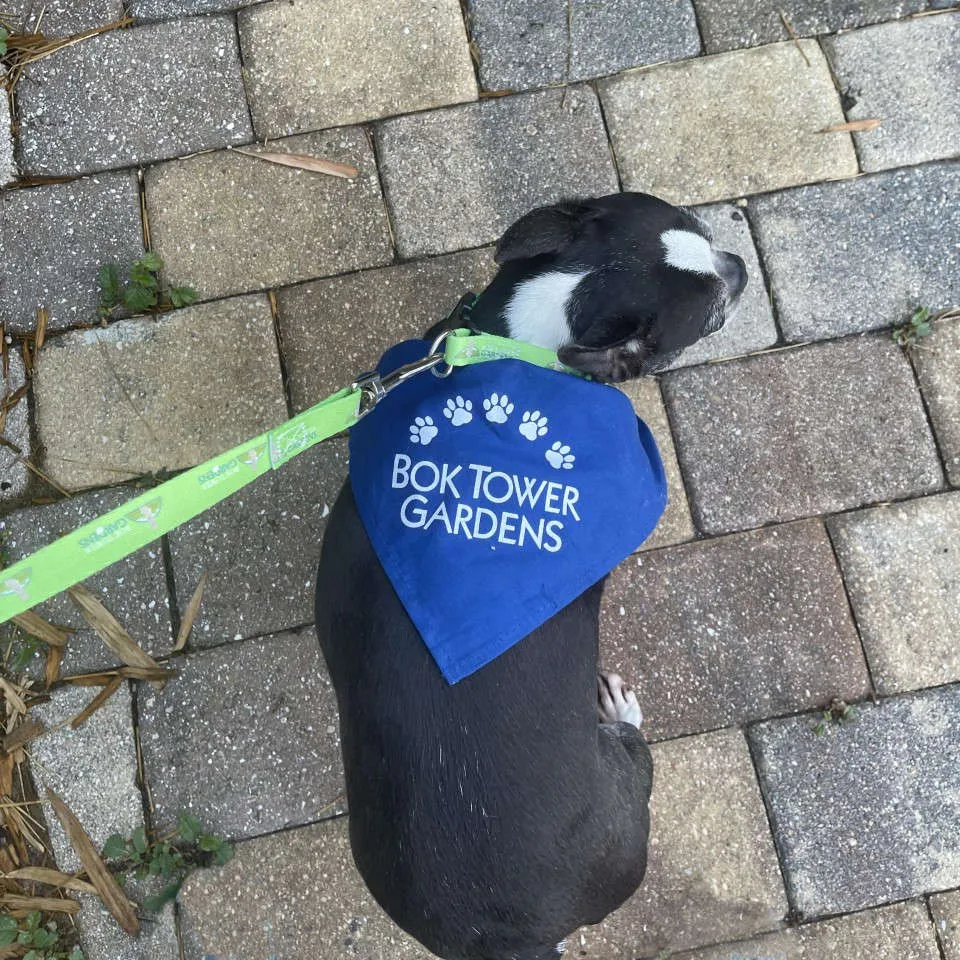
[733,272]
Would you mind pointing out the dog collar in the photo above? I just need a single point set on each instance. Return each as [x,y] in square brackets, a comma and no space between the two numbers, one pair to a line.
[525,480]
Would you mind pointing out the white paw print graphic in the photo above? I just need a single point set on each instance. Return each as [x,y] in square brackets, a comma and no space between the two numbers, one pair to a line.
[560,457]
[498,408]
[422,430]
[458,411]
[533,425]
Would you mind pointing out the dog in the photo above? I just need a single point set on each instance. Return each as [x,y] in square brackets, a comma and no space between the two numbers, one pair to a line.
[492,817]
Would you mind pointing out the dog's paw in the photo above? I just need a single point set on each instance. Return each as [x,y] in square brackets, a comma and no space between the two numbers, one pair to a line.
[616,702]
[422,430]
[457,411]
[559,456]
[533,425]
[498,408]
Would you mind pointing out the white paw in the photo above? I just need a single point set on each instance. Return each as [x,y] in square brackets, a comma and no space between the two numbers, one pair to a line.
[533,425]
[560,457]
[616,702]
[498,408]
[458,411]
[422,430]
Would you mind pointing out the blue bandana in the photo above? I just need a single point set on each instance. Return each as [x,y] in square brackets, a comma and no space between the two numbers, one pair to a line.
[495,497]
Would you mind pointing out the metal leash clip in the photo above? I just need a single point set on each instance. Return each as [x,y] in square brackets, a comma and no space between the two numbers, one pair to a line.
[373,388]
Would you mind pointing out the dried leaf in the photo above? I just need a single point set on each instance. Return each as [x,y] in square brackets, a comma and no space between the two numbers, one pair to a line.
[97,702]
[133,673]
[854,126]
[100,876]
[303,162]
[41,329]
[110,631]
[49,633]
[50,878]
[29,730]
[13,697]
[46,904]
[51,669]
[190,614]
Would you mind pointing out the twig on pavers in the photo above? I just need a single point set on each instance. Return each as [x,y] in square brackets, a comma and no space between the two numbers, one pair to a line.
[190,614]
[102,677]
[50,878]
[26,48]
[302,161]
[853,126]
[33,468]
[794,37]
[108,888]
[22,734]
[45,904]
[97,702]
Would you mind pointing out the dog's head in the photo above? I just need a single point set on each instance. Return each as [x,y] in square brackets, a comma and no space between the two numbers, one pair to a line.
[618,285]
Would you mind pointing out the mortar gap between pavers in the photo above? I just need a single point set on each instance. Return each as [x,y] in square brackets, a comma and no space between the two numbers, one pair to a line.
[743,204]
[840,93]
[370,133]
[281,359]
[850,607]
[926,412]
[473,48]
[941,949]
[606,131]
[143,785]
[235,14]
[174,605]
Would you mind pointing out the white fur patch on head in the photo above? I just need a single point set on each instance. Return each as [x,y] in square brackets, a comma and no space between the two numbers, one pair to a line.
[537,311]
[688,251]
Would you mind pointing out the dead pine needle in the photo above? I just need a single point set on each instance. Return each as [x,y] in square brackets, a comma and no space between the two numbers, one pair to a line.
[190,614]
[97,702]
[302,161]
[793,36]
[853,126]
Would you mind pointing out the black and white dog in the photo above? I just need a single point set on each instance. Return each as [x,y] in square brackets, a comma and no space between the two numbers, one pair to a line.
[493,817]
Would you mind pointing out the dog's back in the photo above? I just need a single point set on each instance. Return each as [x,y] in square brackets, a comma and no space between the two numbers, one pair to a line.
[481,817]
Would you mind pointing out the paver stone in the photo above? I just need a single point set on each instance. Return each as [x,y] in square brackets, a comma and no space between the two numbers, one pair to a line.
[938,370]
[16,431]
[945,908]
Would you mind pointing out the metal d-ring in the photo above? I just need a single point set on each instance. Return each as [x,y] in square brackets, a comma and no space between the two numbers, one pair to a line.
[436,371]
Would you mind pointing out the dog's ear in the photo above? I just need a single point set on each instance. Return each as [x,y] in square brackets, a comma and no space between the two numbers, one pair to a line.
[544,230]
[615,363]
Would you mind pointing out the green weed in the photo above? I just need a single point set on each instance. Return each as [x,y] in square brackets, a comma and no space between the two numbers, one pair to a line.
[838,712]
[141,291]
[915,329]
[43,939]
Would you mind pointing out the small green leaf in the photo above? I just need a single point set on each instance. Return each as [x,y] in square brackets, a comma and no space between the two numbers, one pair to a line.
[150,261]
[115,848]
[188,826]
[44,938]
[139,298]
[109,281]
[33,919]
[168,893]
[3,42]
[76,954]
[224,854]
[7,936]
[139,839]
[33,955]
[182,296]
[209,843]
[140,276]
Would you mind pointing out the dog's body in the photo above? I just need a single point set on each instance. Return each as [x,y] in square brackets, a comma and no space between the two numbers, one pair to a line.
[492,817]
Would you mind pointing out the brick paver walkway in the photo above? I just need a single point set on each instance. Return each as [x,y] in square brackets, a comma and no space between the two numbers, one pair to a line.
[811,550]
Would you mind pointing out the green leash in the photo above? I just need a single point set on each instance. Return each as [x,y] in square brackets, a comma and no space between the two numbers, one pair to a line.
[147,517]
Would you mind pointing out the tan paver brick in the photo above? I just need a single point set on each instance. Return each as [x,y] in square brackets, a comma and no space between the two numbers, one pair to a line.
[901,932]
[16,431]
[319,63]
[728,125]
[8,169]
[712,872]
[675,525]
[938,369]
[228,223]
[144,395]
[314,905]
[945,908]
[334,329]
[901,564]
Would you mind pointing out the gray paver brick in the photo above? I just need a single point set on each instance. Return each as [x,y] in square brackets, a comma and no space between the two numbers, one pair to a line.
[675,525]
[93,768]
[246,738]
[62,18]
[172,9]
[540,42]
[8,168]
[902,571]
[868,812]
[134,590]
[727,24]
[946,914]
[731,630]
[459,177]
[316,905]
[334,329]
[906,73]
[16,430]
[133,96]
[100,216]
[102,938]
[938,369]
[733,136]
[712,872]
[800,432]
[752,327]
[146,395]
[900,932]
[847,257]
[260,549]
[229,223]
[318,64]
